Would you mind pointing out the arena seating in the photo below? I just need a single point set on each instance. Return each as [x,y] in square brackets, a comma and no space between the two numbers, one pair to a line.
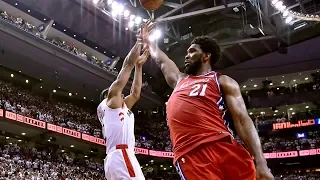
[24,102]
[314,175]
[71,48]
[20,162]
[278,144]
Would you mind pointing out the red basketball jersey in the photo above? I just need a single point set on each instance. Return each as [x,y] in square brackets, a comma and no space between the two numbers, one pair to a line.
[195,113]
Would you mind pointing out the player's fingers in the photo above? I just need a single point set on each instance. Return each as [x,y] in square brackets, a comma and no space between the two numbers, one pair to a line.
[151,26]
[137,47]
[146,53]
[144,40]
[148,23]
[147,27]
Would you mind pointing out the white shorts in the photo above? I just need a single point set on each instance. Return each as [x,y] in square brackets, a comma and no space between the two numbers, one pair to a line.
[119,166]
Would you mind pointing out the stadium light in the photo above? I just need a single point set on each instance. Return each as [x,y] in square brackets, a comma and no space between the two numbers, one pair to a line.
[278,4]
[114,13]
[120,9]
[95,1]
[285,13]
[114,5]
[274,2]
[289,19]
[282,8]
[155,35]
[126,13]
[109,2]
[132,17]
[138,20]
[130,24]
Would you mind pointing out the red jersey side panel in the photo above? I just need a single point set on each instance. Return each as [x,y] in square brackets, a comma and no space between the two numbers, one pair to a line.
[195,113]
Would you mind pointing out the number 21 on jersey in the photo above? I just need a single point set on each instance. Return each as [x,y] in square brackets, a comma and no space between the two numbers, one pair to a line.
[199,90]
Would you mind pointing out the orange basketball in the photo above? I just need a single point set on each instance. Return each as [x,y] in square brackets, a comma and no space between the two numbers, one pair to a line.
[151,5]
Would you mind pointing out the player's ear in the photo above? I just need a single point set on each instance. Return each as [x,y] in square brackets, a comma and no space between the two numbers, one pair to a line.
[207,56]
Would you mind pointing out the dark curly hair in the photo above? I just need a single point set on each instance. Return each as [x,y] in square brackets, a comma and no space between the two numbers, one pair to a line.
[209,45]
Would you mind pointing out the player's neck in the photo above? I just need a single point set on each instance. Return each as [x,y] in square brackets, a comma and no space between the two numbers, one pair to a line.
[203,70]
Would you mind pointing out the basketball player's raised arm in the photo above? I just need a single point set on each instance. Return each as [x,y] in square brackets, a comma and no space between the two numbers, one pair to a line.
[136,86]
[169,69]
[116,88]
[243,123]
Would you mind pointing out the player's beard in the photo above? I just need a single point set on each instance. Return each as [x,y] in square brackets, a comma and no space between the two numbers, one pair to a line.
[192,68]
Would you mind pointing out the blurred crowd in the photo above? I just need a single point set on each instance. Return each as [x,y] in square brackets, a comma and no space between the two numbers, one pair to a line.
[148,125]
[307,114]
[280,144]
[19,22]
[24,102]
[314,175]
[21,101]
[67,46]
[21,162]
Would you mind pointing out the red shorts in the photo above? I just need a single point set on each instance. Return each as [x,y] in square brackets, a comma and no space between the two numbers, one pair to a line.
[224,159]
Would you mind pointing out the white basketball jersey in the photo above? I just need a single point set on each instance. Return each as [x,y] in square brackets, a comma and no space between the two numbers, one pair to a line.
[117,126]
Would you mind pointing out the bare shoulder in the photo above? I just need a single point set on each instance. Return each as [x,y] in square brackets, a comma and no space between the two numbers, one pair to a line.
[228,84]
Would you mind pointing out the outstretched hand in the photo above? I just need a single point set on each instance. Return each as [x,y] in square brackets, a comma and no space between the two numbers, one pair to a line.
[143,57]
[145,31]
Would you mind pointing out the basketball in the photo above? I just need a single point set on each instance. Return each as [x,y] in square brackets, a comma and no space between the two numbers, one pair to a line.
[151,5]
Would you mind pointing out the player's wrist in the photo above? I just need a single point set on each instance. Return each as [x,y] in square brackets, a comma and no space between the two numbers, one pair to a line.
[138,66]
[261,162]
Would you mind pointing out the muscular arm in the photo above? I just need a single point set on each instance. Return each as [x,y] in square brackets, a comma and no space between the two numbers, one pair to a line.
[134,96]
[243,123]
[115,91]
[167,66]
